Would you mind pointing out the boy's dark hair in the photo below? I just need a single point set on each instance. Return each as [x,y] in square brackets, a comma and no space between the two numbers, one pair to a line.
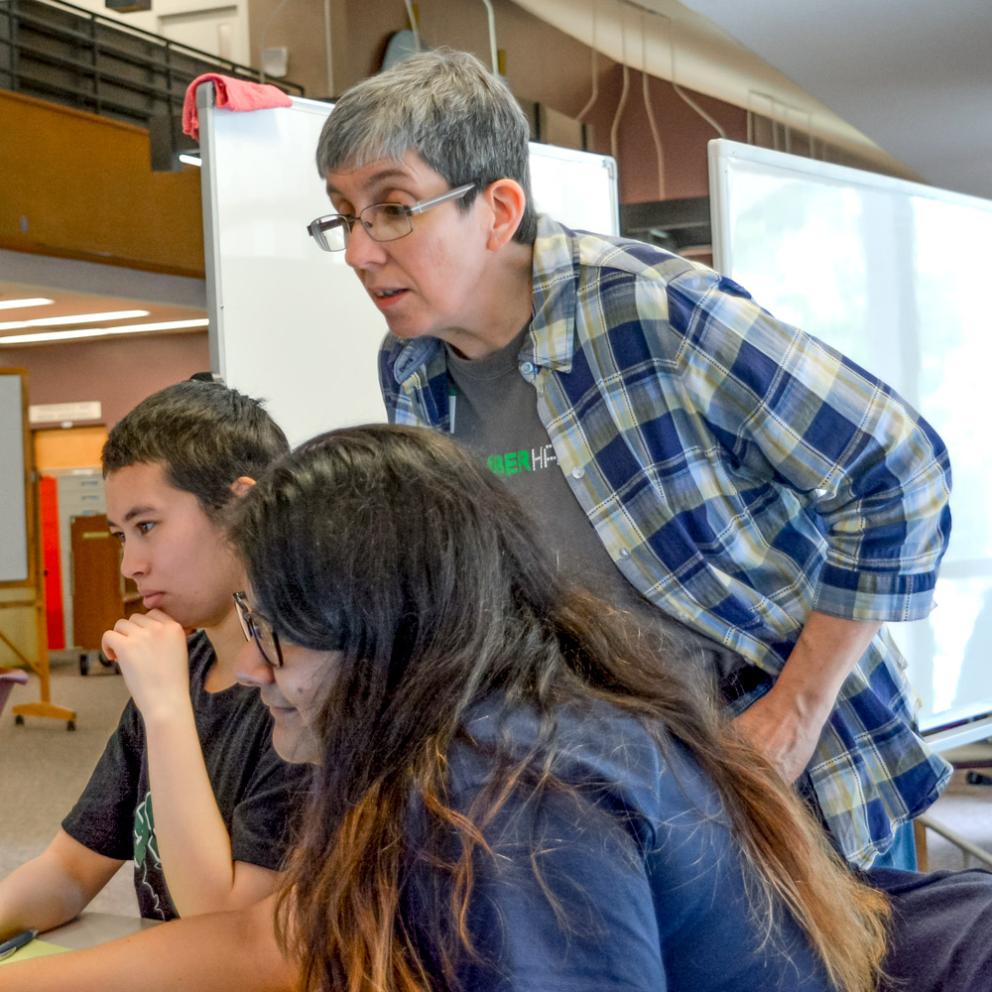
[203,434]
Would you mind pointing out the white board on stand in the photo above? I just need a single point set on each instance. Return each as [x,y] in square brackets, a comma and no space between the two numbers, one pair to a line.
[288,322]
[13,508]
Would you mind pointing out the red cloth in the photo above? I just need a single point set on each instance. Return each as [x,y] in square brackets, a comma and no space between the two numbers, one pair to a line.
[48,510]
[232,94]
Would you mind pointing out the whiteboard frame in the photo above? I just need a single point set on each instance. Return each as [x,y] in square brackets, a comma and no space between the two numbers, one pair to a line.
[723,153]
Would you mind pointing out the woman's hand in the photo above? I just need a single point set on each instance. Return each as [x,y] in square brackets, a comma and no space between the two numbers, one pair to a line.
[151,651]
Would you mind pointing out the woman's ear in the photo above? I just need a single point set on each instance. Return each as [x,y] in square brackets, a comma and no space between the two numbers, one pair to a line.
[507,200]
[241,485]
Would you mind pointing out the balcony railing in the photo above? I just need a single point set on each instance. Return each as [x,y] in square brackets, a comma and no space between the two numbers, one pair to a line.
[57,51]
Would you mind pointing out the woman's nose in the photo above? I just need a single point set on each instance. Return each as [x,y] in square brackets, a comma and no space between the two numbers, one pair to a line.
[252,668]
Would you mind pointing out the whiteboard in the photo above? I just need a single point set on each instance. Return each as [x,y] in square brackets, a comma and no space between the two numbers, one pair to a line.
[891,274]
[13,508]
[289,322]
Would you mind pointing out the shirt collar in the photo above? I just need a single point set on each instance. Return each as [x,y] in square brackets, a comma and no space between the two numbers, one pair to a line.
[413,355]
[554,278]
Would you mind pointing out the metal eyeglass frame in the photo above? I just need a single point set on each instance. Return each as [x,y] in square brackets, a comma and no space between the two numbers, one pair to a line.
[317,228]
[246,615]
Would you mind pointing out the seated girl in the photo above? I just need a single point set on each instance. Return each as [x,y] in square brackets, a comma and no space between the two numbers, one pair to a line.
[511,795]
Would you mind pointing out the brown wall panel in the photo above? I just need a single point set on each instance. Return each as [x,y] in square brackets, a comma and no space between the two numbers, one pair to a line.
[81,186]
[543,65]
[683,132]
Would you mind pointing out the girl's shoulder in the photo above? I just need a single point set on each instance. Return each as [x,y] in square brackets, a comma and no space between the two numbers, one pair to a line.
[615,759]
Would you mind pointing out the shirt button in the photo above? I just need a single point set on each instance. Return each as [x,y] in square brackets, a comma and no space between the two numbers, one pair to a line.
[577,473]
[528,369]
[624,553]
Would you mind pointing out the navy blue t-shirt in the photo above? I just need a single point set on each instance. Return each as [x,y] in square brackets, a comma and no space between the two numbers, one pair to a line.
[649,887]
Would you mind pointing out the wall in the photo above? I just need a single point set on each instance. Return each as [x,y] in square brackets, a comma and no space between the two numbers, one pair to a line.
[219,27]
[299,25]
[117,372]
[543,65]
[683,133]
[80,186]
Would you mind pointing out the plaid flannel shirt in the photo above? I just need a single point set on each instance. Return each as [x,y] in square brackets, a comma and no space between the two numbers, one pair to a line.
[740,473]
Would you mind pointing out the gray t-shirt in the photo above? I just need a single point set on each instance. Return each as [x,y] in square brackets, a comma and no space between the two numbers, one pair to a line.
[495,415]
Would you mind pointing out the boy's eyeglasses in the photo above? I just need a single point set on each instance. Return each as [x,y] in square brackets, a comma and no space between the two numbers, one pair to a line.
[259,628]
[381,221]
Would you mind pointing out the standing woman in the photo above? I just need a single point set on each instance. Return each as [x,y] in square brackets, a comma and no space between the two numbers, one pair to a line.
[512,793]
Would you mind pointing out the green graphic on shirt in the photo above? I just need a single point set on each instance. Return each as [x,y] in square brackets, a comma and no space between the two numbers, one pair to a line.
[516,462]
[145,844]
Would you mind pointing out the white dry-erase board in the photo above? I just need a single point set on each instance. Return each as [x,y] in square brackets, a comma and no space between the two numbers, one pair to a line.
[890,273]
[289,322]
[13,509]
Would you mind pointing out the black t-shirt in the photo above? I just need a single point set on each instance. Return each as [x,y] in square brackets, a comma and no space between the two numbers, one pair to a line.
[257,793]
[939,932]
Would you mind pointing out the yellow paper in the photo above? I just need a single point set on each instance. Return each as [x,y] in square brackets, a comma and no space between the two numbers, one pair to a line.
[36,949]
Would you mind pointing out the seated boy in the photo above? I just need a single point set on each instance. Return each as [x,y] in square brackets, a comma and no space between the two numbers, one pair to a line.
[191,737]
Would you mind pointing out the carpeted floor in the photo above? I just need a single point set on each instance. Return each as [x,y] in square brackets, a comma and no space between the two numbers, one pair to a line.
[43,768]
[966,810]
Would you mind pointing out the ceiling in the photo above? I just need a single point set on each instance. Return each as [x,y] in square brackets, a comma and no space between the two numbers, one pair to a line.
[904,85]
[913,75]
[79,288]
[65,303]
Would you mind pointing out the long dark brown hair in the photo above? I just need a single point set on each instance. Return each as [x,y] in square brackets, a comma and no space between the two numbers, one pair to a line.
[394,547]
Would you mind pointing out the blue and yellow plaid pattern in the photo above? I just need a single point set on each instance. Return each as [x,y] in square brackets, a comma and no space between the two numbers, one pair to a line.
[740,473]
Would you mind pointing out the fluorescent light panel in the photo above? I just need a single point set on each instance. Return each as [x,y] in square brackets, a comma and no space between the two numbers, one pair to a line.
[34,301]
[75,318]
[100,332]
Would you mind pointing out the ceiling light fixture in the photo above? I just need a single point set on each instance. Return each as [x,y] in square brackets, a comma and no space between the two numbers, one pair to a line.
[34,301]
[75,318]
[99,332]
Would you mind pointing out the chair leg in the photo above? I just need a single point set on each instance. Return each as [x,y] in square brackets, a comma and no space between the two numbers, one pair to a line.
[964,845]
[920,837]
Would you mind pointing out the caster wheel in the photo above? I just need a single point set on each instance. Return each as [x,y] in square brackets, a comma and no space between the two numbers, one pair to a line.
[70,725]
[84,664]
[19,720]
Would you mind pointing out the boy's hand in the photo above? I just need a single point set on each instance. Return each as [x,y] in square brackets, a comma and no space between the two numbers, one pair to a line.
[151,651]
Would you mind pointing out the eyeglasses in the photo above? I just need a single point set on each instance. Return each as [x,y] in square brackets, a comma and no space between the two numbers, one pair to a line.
[381,221]
[258,628]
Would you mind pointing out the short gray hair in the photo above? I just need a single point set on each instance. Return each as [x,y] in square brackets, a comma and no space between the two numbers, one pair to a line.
[445,105]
